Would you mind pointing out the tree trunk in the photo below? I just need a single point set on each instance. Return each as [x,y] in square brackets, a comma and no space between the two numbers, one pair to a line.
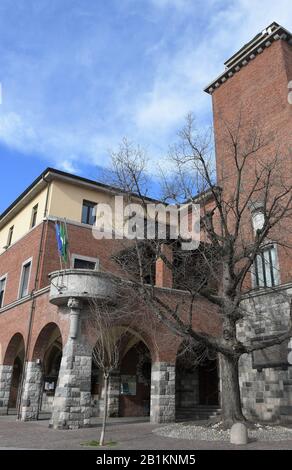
[101,441]
[230,397]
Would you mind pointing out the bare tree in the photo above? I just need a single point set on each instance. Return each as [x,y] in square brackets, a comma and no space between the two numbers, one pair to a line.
[110,324]
[220,269]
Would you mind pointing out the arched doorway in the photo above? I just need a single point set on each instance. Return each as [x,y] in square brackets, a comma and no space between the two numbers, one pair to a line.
[14,357]
[197,382]
[135,375]
[208,382]
[48,351]
[129,383]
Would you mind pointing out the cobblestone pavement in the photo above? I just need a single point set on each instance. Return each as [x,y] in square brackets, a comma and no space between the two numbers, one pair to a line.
[126,432]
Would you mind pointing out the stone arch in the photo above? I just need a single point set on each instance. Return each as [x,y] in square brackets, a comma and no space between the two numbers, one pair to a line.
[15,345]
[135,378]
[12,370]
[48,335]
[135,336]
[135,357]
[43,372]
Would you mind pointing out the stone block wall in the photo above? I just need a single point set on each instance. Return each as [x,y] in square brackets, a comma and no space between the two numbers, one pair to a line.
[266,393]
[162,408]
[5,384]
[72,402]
[32,391]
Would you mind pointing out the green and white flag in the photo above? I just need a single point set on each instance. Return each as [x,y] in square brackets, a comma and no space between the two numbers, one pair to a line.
[62,240]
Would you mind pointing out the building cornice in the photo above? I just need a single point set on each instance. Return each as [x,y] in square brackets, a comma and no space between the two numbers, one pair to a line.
[27,298]
[262,291]
[247,53]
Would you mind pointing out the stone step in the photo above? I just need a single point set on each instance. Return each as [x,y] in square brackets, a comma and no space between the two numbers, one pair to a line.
[203,415]
[44,415]
[200,408]
[200,412]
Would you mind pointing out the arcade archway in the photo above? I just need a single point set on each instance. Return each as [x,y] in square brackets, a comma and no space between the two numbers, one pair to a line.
[135,374]
[129,385]
[197,382]
[48,351]
[14,357]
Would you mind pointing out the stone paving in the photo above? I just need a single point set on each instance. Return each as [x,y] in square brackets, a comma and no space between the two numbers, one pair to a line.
[128,433]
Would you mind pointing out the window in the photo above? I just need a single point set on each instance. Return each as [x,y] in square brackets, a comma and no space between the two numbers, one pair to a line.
[84,262]
[88,213]
[10,235]
[2,290]
[34,216]
[265,271]
[23,291]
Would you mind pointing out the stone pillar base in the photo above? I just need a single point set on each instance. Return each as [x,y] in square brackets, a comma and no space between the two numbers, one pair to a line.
[32,391]
[5,384]
[162,393]
[72,401]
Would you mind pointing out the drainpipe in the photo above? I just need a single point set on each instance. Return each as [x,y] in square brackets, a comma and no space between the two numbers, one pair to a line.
[33,303]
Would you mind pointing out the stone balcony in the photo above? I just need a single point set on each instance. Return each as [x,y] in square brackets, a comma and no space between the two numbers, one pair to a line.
[81,284]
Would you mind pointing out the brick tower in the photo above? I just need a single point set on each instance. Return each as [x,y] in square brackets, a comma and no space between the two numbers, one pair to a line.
[253,89]
[252,94]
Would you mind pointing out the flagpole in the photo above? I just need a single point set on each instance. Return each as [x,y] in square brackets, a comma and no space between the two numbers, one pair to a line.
[68,249]
[60,257]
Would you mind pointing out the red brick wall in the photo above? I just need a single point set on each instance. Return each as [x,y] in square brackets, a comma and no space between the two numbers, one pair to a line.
[16,320]
[259,92]
[81,242]
[11,262]
[162,343]
[163,274]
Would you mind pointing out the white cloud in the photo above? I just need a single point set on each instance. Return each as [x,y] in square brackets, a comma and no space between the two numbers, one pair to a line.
[160,111]
[67,165]
[71,128]
[180,79]
[15,132]
[178,4]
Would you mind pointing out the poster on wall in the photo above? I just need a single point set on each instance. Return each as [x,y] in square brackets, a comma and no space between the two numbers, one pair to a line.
[128,384]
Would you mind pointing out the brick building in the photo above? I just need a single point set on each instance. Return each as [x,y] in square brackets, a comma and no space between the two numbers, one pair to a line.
[254,86]
[46,356]
[35,318]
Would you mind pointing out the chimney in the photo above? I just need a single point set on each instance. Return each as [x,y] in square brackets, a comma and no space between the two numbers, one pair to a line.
[163,275]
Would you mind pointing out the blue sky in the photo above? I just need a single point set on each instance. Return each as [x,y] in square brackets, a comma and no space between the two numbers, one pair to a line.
[78,75]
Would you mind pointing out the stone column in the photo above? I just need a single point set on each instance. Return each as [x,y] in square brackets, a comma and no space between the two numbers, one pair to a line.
[72,401]
[162,393]
[114,394]
[5,384]
[32,392]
